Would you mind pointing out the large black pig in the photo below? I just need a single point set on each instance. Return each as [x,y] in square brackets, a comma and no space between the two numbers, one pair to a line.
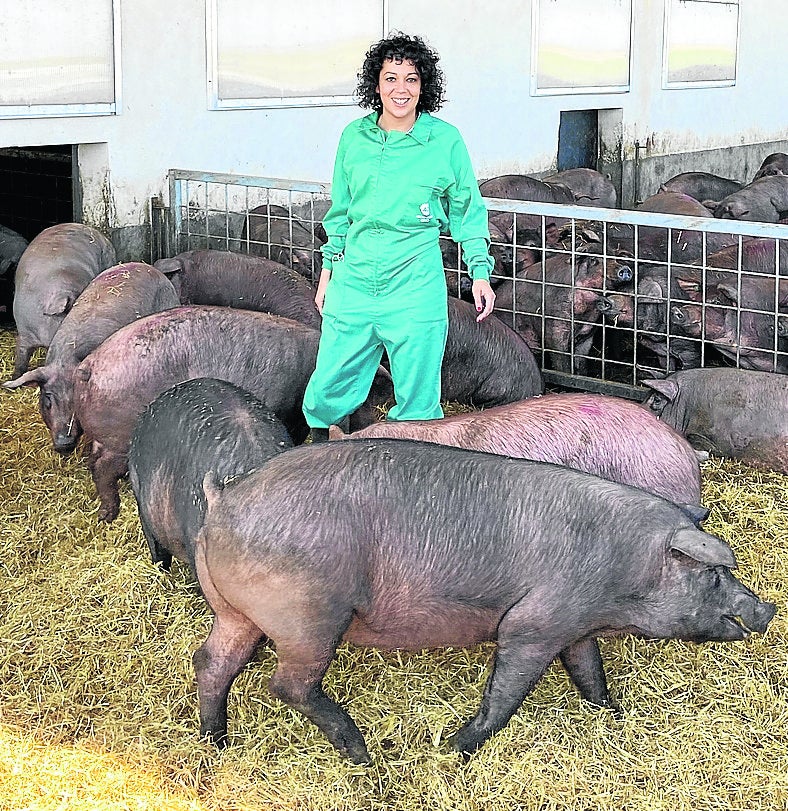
[701,185]
[763,200]
[269,356]
[589,187]
[525,187]
[116,297]
[607,436]
[728,412]
[774,164]
[227,279]
[198,426]
[540,558]
[54,269]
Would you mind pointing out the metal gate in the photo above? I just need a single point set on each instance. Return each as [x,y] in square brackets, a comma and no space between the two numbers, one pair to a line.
[620,295]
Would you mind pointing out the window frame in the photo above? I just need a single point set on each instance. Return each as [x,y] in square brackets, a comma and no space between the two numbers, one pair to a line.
[574,89]
[73,110]
[669,85]
[264,103]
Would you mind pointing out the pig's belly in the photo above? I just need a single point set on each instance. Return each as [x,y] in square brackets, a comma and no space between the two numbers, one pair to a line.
[428,626]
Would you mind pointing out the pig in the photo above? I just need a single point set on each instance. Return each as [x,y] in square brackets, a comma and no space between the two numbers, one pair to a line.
[610,437]
[774,164]
[659,243]
[525,187]
[553,304]
[532,229]
[758,255]
[537,557]
[505,255]
[740,322]
[484,363]
[589,187]
[701,185]
[116,297]
[735,413]
[658,288]
[763,200]
[54,269]
[267,355]
[12,246]
[198,426]
[276,234]
[228,279]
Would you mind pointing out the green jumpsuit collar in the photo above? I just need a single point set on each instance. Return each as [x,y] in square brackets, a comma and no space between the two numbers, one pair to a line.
[419,132]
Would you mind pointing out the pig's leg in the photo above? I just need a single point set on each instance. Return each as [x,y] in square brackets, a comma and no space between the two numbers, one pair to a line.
[22,357]
[217,662]
[107,469]
[517,666]
[298,682]
[530,636]
[583,663]
[158,554]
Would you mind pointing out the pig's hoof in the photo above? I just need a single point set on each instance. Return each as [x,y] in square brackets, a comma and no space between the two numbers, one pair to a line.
[108,514]
[357,755]
[465,742]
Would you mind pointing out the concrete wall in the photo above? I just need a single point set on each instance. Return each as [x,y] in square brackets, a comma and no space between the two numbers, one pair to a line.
[485,48]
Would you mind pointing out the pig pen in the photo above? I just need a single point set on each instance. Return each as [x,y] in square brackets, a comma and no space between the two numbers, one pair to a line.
[98,705]
[624,295]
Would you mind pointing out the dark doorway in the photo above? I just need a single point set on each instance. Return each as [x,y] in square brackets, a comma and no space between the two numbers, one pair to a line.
[36,187]
[578,139]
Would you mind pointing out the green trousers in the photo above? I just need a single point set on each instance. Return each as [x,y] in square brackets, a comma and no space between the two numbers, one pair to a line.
[361,320]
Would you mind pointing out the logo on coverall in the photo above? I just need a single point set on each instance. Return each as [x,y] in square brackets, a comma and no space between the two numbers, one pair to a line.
[425,215]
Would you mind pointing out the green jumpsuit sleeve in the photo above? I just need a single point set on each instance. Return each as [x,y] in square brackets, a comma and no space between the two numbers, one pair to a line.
[336,221]
[468,222]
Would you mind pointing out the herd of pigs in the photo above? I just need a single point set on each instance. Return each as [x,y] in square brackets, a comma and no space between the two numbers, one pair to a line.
[540,521]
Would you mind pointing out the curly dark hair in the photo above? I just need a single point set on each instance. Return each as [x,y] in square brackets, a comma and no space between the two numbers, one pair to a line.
[400,47]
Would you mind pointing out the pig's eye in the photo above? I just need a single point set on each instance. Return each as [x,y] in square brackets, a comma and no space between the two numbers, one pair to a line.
[714,577]
[46,401]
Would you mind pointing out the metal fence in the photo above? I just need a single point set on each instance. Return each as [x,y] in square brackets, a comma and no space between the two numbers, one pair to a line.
[605,298]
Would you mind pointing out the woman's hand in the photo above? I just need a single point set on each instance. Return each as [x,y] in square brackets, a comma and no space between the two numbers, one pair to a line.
[483,297]
[320,295]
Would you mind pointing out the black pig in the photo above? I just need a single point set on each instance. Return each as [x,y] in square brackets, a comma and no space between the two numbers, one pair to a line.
[392,554]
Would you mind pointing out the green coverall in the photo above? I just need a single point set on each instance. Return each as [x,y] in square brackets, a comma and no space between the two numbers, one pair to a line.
[392,195]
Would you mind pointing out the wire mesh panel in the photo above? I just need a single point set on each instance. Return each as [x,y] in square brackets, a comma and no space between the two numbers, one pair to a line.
[604,298]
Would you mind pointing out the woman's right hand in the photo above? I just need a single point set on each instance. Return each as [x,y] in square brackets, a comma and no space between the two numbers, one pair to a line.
[320,295]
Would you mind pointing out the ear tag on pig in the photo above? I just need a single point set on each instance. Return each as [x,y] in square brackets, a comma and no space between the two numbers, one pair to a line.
[704,548]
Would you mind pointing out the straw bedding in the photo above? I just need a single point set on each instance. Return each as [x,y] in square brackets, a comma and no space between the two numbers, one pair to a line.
[98,705]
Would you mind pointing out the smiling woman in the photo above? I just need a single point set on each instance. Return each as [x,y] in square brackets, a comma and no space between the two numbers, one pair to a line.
[401,178]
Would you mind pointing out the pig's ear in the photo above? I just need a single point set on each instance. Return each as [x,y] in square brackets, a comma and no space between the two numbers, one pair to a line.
[700,546]
[168,266]
[688,285]
[710,204]
[58,304]
[35,377]
[729,291]
[667,388]
[696,512]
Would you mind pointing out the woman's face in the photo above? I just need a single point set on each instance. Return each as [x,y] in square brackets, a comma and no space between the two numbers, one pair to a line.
[399,86]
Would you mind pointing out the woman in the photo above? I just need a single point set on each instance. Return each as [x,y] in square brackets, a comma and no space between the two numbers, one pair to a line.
[401,177]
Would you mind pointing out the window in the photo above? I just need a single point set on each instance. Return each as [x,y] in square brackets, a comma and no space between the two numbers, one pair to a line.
[59,58]
[263,53]
[579,47]
[700,43]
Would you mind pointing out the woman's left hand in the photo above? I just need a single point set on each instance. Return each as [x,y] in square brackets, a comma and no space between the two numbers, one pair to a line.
[483,297]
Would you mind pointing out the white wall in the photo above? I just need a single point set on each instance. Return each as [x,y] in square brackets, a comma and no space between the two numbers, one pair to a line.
[485,50]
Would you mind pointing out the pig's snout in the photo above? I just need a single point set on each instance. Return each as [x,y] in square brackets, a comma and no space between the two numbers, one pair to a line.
[624,273]
[608,307]
[64,441]
[758,617]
